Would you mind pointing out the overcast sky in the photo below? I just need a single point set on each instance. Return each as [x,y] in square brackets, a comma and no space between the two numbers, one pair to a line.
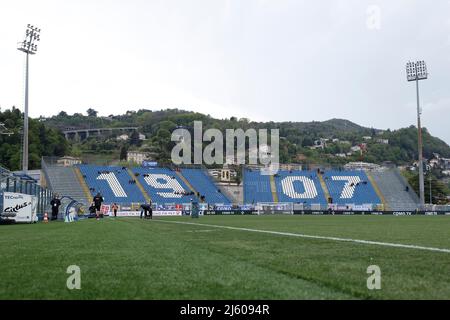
[281,60]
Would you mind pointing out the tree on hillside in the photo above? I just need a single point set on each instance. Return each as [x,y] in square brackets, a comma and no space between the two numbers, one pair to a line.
[123,153]
[134,139]
[158,126]
[44,141]
[439,191]
[307,142]
[92,113]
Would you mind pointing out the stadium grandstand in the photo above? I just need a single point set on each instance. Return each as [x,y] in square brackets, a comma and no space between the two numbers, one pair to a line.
[200,181]
[114,183]
[164,185]
[320,189]
[350,187]
[300,186]
[256,187]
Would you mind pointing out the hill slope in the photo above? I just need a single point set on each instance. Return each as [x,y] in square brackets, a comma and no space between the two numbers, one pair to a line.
[295,146]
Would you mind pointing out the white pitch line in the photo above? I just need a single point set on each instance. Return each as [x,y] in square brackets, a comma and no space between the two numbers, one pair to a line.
[299,235]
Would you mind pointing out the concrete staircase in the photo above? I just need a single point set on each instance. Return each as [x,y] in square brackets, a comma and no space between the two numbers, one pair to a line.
[189,185]
[393,187]
[384,205]
[233,192]
[324,187]
[64,181]
[273,189]
[147,197]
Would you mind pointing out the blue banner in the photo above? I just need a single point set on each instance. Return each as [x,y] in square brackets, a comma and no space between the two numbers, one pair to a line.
[149,164]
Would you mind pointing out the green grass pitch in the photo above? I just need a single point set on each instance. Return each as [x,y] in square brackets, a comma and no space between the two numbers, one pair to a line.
[128,258]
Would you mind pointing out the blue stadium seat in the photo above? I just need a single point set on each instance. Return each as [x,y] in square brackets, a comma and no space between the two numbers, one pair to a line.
[164,186]
[113,183]
[350,187]
[205,186]
[299,187]
[256,187]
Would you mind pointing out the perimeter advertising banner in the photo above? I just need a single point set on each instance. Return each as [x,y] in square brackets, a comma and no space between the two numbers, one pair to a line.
[376,213]
[19,208]
[138,214]
[105,209]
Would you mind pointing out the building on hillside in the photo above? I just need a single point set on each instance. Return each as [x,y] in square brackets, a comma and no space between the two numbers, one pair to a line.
[123,137]
[291,167]
[138,156]
[223,175]
[382,141]
[355,149]
[434,163]
[446,163]
[341,155]
[320,144]
[415,164]
[439,162]
[68,161]
[361,166]
[126,137]
[215,173]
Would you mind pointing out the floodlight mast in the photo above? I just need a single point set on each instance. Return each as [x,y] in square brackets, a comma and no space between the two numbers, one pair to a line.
[29,47]
[417,71]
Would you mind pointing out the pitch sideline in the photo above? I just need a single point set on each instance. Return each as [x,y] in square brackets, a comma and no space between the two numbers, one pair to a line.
[299,235]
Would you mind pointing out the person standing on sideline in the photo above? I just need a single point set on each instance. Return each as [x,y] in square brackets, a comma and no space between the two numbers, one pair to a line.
[150,210]
[92,209]
[98,200]
[114,208]
[55,203]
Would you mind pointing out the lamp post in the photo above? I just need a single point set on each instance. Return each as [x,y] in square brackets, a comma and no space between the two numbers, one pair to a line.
[30,48]
[417,71]
[431,177]
[431,195]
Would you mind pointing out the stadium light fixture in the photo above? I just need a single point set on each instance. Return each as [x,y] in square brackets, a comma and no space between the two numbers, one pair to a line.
[29,47]
[417,71]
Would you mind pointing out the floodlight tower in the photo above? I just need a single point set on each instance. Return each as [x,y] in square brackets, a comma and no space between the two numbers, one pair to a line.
[29,47]
[417,71]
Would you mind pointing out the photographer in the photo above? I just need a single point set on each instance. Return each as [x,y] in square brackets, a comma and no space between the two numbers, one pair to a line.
[55,203]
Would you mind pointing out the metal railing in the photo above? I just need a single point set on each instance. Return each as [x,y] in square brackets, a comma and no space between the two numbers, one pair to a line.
[10,183]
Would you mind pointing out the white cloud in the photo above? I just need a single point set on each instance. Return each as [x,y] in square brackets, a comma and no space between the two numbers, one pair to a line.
[266,60]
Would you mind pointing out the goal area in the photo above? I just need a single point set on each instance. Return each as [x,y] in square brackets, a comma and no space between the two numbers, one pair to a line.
[275,208]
